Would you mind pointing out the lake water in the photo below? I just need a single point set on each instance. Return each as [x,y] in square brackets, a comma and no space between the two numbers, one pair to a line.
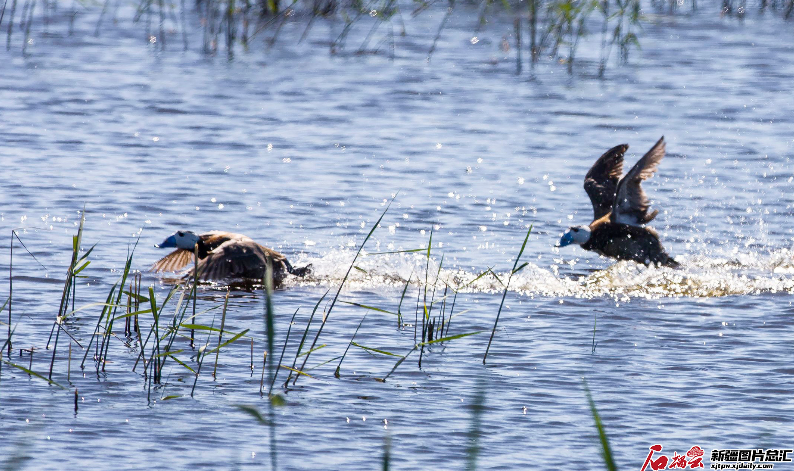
[302,150]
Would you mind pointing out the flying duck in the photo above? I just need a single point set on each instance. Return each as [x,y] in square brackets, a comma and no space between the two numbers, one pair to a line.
[621,210]
[223,255]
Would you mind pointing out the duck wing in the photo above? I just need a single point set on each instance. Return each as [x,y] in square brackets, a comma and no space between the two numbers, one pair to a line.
[213,239]
[601,181]
[180,258]
[174,261]
[631,203]
[277,257]
[237,258]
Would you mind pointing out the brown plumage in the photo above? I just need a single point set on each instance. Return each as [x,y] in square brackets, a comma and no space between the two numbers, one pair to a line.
[601,181]
[621,210]
[224,255]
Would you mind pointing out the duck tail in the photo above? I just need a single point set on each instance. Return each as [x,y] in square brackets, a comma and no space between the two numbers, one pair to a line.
[668,261]
[299,271]
[649,217]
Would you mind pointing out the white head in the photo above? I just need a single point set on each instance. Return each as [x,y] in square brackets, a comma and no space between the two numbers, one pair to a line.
[180,239]
[575,235]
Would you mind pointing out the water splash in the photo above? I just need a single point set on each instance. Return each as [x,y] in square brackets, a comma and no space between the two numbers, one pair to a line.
[699,276]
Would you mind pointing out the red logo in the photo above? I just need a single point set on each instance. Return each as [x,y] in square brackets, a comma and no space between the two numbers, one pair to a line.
[692,459]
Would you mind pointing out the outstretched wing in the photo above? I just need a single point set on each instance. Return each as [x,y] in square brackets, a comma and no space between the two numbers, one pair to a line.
[238,259]
[631,202]
[174,261]
[601,181]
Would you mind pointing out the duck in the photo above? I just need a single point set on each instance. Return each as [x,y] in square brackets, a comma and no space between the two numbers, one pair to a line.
[621,210]
[224,255]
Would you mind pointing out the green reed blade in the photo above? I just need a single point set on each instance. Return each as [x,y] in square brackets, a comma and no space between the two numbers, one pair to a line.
[297,371]
[487,270]
[399,362]
[32,373]
[336,373]
[452,337]
[606,451]
[253,412]
[369,349]
[313,350]
[341,285]
[130,314]
[284,349]
[220,334]
[504,294]
[399,306]
[230,341]
[371,308]
[477,407]
[306,333]
[180,361]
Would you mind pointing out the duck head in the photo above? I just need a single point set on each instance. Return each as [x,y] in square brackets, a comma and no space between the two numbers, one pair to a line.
[180,239]
[575,235]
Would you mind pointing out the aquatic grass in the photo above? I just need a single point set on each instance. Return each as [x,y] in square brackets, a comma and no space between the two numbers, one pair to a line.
[270,326]
[253,412]
[173,328]
[141,353]
[402,297]
[27,26]
[606,450]
[444,20]
[154,329]
[562,24]
[339,366]
[281,358]
[200,358]
[451,313]
[269,314]
[308,352]
[220,333]
[515,270]
[125,274]
[237,336]
[194,290]
[475,429]
[425,314]
[67,288]
[371,308]
[342,284]
[376,350]
[156,326]
[437,328]
[432,322]
[386,453]
[264,369]
[10,273]
[9,300]
[416,309]
[69,365]
[106,306]
[8,339]
[32,373]
[429,342]
[305,334]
